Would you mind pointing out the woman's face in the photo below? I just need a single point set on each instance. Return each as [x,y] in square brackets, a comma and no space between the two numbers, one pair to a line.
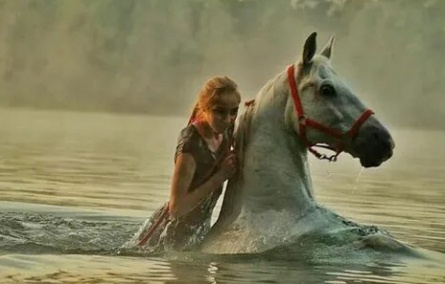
[223,113]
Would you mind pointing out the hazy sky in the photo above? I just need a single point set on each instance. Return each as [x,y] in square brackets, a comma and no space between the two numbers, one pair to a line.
[152,56]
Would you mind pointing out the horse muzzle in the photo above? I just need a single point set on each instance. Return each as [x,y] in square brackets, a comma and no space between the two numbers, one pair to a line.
[373,146]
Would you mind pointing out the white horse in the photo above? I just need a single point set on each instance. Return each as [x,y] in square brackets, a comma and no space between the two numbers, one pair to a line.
[271,202]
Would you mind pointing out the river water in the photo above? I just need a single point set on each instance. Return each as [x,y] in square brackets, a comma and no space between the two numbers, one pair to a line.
[75,186]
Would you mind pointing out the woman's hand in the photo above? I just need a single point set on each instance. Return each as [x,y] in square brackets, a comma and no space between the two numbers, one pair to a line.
[227,167]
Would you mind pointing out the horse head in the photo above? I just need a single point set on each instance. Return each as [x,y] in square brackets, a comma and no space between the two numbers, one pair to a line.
[324,111]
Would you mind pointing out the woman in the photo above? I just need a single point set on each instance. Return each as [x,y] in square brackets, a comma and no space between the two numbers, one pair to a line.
[203,162]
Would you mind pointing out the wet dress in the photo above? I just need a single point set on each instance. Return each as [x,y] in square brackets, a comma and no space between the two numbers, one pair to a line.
[161,231]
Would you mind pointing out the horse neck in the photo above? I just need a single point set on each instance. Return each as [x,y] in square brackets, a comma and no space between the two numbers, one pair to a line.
[275,173]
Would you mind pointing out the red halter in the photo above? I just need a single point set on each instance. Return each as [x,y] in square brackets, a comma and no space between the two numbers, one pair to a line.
[304,121]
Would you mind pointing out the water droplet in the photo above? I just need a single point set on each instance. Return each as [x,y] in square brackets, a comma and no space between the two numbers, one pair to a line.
[329,171]
[357,179]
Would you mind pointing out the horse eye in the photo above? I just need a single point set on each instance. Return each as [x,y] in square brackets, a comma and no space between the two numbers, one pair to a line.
[327,90]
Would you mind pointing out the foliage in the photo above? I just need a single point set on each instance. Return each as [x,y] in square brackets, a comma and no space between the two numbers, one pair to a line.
[152,56]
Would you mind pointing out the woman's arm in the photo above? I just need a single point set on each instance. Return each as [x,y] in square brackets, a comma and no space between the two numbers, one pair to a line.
[182,201]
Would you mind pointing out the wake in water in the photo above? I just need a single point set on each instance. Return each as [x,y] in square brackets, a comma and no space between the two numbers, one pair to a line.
[40,233]
[34,233]
[318,259]
[37,233]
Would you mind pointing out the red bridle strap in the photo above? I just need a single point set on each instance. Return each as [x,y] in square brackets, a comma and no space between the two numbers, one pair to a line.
[304,122]
[354,129]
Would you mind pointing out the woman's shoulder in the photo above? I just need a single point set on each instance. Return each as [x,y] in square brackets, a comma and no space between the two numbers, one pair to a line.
[187,140]
[187,133]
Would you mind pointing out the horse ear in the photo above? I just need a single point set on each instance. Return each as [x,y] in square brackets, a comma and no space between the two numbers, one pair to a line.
[327,50]
[310,46]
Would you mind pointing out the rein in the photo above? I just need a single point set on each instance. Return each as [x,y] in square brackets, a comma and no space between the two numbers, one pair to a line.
[304,122]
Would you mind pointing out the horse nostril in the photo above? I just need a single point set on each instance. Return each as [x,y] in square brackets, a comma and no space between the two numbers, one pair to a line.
[383,138]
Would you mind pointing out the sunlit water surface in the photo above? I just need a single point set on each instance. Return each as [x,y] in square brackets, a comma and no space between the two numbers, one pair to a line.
[75,186]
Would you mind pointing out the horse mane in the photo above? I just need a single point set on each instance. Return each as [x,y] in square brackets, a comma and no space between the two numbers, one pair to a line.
[242,133]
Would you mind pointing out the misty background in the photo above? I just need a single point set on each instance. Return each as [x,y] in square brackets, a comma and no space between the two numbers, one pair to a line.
[152,56]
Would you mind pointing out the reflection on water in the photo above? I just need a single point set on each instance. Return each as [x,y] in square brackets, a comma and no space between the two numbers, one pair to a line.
[104,269]
[85,181]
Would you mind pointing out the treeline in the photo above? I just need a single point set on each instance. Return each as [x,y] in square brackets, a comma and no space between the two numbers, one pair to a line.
[151,56]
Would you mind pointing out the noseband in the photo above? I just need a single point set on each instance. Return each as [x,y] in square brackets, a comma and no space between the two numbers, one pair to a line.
[304,121]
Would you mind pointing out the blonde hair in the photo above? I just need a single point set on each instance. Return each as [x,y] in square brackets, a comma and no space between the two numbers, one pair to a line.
[211,91]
